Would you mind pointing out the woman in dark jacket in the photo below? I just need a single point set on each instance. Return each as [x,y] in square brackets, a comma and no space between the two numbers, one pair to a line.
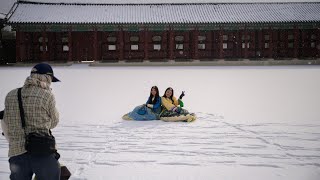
[148,111]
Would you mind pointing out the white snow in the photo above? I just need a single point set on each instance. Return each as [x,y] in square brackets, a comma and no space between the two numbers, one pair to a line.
[253,123]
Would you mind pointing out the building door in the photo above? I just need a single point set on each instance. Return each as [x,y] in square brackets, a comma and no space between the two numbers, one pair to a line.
[83,49]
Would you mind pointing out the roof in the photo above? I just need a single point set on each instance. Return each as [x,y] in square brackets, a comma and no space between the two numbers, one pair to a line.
[164,13]
[2,16]
[163,1]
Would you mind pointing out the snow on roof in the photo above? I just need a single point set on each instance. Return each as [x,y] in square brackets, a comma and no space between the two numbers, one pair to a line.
[165,1]
[166,13]
[2,16]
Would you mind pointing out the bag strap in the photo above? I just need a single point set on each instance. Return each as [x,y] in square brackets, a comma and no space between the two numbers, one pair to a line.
[23,121]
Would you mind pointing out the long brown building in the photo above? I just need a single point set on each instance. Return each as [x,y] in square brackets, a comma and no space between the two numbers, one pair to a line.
[131,32]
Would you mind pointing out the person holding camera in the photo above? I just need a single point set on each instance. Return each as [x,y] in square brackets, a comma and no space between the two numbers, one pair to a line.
[30,113]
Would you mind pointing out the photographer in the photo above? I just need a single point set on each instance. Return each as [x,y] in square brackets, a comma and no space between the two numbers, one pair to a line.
[31,111]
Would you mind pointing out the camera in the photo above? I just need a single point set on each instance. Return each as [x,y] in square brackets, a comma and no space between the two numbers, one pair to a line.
[1,114]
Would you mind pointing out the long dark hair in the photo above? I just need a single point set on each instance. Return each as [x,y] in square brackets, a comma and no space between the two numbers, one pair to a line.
[164,95]
[150,101]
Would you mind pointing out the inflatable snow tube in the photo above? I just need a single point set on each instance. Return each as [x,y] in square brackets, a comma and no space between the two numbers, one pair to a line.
[126,117]
[180,118]
[173,116]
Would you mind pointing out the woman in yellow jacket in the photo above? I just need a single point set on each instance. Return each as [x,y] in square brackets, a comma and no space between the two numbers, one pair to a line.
[172,110]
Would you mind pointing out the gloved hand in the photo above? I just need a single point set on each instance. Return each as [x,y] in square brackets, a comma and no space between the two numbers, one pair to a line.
[150,105]
[181,95]
[1,114]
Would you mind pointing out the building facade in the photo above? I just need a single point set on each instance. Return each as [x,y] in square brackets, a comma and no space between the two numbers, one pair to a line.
[161,32]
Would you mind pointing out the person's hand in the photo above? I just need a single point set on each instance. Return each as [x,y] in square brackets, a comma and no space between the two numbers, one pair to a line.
[176,109]
[149,105]
[181,95]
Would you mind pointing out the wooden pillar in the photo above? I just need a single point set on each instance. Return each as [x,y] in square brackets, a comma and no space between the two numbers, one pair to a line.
[246,43]
[44,44]
[51,44]
[95,44]
[221,43]
[23,44]
[213,44]
[238,44]
[70,44]
[164,44]
[171,43]
[121,44]
[318,42]
[303,46]
[1,33]
[18,43]
[286,35]
[195,44]
[260,43]
[146,44]
[252,43]
[209,44]
[296,42]
[270,42]
[276,43]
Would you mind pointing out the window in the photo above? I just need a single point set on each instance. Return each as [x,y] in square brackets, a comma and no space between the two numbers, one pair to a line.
[65,39]
[41,48]
[41,39]
[290,37]
[112,47]
[179,38]
[244,45]
[201,46]
[202,38]
[156,38]
[244,37]
[134,39]
[266,37]
[65,48]
[290,45]
[225,37]
[313,45]
[266,45]
[225,46]
[111,39]
[157,47]
[179,46]
[134,47]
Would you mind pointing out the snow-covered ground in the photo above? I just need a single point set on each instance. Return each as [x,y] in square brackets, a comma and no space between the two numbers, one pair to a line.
[253,123]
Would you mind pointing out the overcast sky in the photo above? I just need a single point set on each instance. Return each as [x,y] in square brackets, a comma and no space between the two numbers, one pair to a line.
[5,5]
